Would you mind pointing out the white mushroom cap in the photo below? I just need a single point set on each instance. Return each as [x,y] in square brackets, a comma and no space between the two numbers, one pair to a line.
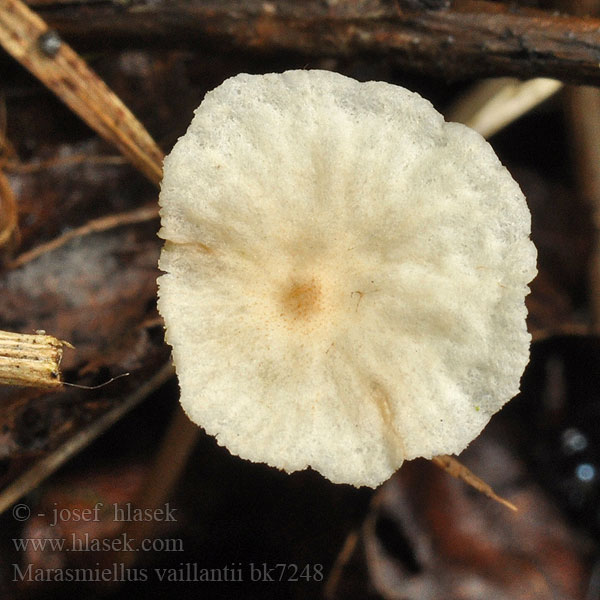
[345,275]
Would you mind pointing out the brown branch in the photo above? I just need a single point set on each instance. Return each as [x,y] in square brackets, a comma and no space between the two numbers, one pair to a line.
[468,39]
[28,39]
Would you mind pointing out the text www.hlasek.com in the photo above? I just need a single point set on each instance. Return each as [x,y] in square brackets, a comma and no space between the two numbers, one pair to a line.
[86,543]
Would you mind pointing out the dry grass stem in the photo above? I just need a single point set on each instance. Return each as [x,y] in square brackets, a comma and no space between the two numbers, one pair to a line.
[30,360]
[67,75]
[493,104]
[55,459]
[458,470]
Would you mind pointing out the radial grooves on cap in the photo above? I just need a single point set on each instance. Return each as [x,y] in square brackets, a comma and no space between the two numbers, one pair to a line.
[293,197]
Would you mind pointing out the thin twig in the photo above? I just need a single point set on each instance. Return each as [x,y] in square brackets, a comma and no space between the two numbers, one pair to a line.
[8,212]
[342,559]
[457,469]
[9,217]
[68,76]
[493,104]
[564,329]
[176,446]
[6,148]
[139,215]
[55,459]
[583,114]
[15,166]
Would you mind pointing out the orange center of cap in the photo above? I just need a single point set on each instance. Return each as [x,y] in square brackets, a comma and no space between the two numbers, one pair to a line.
[301,300]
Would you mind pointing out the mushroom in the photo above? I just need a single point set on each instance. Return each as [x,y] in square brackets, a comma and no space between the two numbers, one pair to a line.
[345,275]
